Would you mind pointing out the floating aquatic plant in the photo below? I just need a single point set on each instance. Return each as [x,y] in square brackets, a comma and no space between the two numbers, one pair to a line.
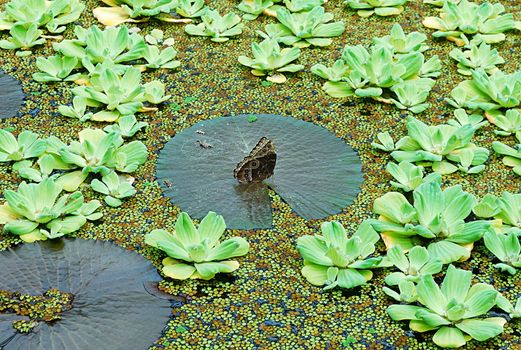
[56,68]
[439,147]
[303,29]
[462,118]
[121,11]
[436,217]
[488,93]
[197,252]
[505,210]
[35,212]
[367,8]
[254,8]
[12,96]
[509,123]
[106,284]
[191,8]
[485,22]
[477,57]
[269,59]
[456,310]
[27,145]
[23,18]
[101,152]
[218,28]
[334,260]
[115,187]
[416,264]
[506,248]
[409,176]
[512,154]
[195,169]
[394,62]
[127,126]
[119,94]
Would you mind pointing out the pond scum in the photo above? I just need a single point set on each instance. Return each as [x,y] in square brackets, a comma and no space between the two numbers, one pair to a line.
[267,303]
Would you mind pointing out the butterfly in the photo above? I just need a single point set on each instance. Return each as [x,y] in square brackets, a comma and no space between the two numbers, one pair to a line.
[259,164]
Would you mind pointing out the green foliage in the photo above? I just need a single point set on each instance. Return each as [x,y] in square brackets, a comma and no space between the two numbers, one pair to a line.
[394,62]
[23,36]
[101,152]
[218,28]
[303,29]
[461,118]
[409,176]
[440,147]
[115,187]
[332,259]
[254,9]
[512,155]
[269,59]
[505,210]
[506,248]
[477,57]
[27,145]
[509,123]
[302,5]
[504,304]
[196,252]
[119,94]
[191,8]
[23,18]
[35,212]
[386,142]
[488,93]
[486,22]
[127,126]
[436,217]
[121,11]
[56,68]
[417,263]
[456,310]
[367,8]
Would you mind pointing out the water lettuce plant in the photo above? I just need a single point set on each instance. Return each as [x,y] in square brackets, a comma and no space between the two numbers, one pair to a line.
[436,218]
[254,8]
[477,57]
[190,8]
[409,176]
[332,259]
[197,252]
[218,28]
[506,248]
[412,266]
[115,187]
[119,94]
[509,122]
[455,309]
[23,18]
[35,212]
[121,11]
[27,145]
[462,118]
[302,5]
[443,147]
[395,63]
[303,29]
[512,155]
[56,68]
[127,126]
[504,304]
[505,210]
[101,152]
[268,59]
[367,8]
[486,22]
[488,93]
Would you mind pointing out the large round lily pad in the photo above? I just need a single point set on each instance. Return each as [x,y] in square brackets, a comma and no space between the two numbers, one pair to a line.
[11,96]
[316,173]
[111,308]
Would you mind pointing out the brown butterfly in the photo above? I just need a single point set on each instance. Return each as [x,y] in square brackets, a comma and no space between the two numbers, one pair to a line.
[259,164]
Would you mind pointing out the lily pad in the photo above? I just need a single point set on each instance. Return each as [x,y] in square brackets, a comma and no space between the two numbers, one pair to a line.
[316,173]
[11,96]
[111,308]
